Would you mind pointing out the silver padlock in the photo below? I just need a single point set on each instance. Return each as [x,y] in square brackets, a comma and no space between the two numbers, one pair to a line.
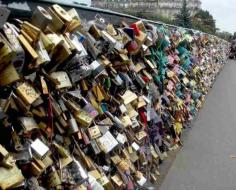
[73,127]
[39,149]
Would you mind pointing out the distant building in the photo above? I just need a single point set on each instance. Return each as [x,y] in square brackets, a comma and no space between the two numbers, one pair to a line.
[164,7]
[119,5]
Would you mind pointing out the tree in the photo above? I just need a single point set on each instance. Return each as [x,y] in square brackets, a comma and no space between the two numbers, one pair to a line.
[183,18]
[234,36]
[225,35]
[205,21]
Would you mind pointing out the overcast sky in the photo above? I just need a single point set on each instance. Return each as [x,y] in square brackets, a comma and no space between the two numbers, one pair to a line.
[224,11]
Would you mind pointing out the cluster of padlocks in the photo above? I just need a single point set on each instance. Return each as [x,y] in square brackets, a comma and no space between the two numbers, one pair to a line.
[90,105]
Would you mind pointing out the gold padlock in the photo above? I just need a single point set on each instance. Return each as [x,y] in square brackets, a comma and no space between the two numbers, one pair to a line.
[96,174]
[3,153]
[123,166]
[97,92]
[116,159]
[116,179]
[94,132]
[27,93]
[6,52]
[31,30]
[39,166]
[28,47]
[95,32]
[8,75]
[10,178]
[83,118]
[141,135]
[84,85]
[53,180]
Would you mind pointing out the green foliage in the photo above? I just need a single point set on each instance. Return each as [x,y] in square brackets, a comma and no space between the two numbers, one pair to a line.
[234,35]
[183,18]
[224,35]
[204,22]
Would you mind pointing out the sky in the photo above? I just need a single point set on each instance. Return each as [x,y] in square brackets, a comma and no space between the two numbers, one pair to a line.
[224,12]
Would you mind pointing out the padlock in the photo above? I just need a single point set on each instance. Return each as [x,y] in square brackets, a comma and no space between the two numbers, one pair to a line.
[128,97]
[79,174]
[28,124]
[115,119]
[85,137]
[95,32]
[32,31]
[78,68]
[121,138]
[75,41]
[116,179]
[94,132]
[6,160]
[62,79]
[104,61]
[27,93]
[10,178]
[8,75]
[124,166]
[141,135]
[57,23]
[95,147]
[153,152]
[112,42]
[65,161]
[104,181]
[4,16]
[53,179]
[43,57]
[96,174]
[116,159]
[126,121]
[60,54]
[83,118]
[16,140]
[143,159]
[107,142]
[97,68]
[3,153]
[7,54]
[41,18]
[89,108]
[37,166]
[153,178]
[140,103]
[94,46]
[11,35]
[84,85]
[39,149]
[44,85]
[72,124]
[61,150]
[61,13]
[32,183]
[28,47]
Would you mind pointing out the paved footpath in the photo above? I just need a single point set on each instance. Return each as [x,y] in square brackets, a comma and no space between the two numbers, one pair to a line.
[205,163]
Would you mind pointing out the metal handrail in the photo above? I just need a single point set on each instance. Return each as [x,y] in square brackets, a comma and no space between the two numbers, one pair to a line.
[127,16]
[110,12]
